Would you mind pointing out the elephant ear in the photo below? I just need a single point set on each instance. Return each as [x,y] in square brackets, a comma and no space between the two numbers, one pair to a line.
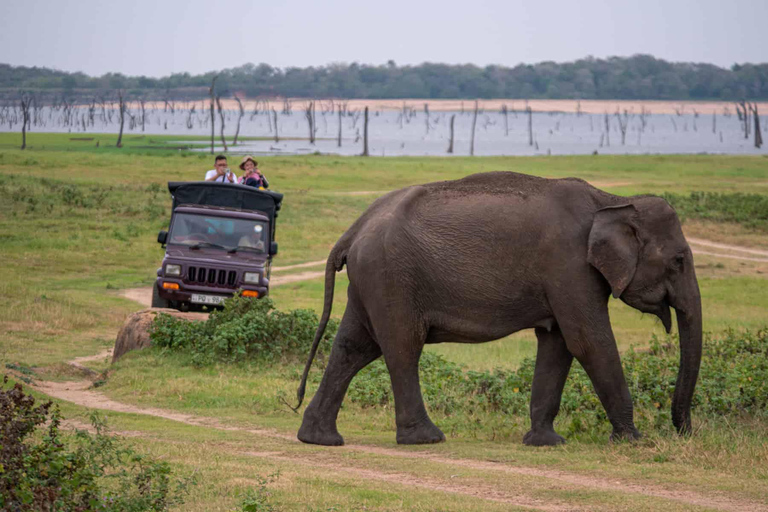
[614,246]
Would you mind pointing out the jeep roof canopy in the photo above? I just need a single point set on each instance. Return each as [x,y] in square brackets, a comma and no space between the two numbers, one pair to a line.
[227,195]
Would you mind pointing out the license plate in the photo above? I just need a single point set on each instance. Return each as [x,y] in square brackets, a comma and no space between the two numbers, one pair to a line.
[199,298]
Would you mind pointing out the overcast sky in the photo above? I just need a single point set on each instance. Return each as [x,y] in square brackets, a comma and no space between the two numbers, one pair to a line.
[160,37]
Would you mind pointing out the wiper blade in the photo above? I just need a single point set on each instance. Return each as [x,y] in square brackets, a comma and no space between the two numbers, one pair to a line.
[245,247]
[206,244]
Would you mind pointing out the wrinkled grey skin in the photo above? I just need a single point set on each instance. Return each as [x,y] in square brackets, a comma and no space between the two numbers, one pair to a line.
[477,259]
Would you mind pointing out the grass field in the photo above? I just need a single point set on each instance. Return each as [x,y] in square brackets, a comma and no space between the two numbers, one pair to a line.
[78,225]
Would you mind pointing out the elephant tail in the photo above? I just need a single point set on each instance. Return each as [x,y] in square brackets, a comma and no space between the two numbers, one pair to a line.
[336,260]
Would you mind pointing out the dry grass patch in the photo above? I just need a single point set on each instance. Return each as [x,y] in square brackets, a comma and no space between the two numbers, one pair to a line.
[726,232]
[717,267]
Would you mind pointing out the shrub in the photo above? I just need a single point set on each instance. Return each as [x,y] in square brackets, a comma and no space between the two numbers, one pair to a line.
[47,196]
[258,499]
[244,330]
[750,210]
[733,380]
[42,469]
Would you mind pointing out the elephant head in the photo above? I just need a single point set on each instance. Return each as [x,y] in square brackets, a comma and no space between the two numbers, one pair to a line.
[640,249]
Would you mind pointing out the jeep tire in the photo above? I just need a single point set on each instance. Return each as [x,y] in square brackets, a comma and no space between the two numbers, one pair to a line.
[157,300]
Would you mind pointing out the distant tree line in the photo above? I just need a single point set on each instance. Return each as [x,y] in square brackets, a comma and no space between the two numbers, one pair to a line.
[637,77]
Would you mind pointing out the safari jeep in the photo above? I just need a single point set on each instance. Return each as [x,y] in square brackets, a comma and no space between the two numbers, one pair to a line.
[221,239]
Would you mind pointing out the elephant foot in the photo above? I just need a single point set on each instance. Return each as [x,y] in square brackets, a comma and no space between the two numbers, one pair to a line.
[312,433]
[542,437]
[630,434]
[424,432]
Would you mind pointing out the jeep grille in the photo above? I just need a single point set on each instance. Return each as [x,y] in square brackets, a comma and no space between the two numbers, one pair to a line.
[215,276]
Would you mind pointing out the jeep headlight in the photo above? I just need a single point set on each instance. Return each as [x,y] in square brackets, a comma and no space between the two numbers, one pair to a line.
[173,270]
[251,277]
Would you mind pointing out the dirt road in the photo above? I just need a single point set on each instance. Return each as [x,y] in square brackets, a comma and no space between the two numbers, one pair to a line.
[81,393]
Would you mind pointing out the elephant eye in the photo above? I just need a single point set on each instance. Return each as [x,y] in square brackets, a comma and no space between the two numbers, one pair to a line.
[679,261]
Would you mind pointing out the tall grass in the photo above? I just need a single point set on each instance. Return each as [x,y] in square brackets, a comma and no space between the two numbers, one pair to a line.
[750,210]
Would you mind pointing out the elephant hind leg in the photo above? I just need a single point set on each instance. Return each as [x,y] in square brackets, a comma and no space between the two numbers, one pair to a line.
[553,362]
[353,349]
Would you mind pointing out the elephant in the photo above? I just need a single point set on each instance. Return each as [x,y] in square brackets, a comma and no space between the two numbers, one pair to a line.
[479,258]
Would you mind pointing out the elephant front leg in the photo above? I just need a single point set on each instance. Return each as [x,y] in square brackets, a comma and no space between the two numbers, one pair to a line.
[553,362]
[589,337]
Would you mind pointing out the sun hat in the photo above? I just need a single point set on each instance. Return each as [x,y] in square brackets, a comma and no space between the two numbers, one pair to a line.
[245,159]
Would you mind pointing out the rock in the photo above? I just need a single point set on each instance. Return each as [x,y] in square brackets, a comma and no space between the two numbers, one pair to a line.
[134,334]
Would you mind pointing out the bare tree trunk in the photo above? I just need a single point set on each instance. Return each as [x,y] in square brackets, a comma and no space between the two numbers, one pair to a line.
[339,140]
[426,114]
[242,113]
[365,133]
[530,125]
[121,106]
[758,133]
[608,129]
[274,120]
[623,122]
[743,113]
[472,138]
[213,119]
[143,112]
[643,118]
[221,116]
[26,100]
[505,112]
[309,114]
[450,144]
[714,122]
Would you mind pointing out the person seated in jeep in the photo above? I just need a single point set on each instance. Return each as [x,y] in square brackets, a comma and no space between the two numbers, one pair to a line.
[190,229]
[252,176]
[221,172]
[253,238]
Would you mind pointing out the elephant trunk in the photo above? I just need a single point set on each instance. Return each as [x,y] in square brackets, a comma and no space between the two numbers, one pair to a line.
[688,311]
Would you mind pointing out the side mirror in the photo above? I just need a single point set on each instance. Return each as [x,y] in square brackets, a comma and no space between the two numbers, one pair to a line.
[272,248]
[162,237]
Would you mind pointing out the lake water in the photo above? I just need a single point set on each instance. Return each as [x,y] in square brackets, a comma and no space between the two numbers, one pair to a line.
[391,133]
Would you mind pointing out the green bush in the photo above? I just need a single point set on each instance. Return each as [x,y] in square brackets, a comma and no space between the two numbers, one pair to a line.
[259,498]
[47,196]
[244,330]
[42,469]
[750,210]
[733,380]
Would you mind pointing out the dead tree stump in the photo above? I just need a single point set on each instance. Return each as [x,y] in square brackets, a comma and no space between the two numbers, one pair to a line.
[365,134]
[213,118]
[472,136]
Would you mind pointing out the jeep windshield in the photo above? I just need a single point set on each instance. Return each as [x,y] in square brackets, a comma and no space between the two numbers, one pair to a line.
[208,231]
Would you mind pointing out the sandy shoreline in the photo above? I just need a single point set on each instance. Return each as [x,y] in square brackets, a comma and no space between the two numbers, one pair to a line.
[569,106]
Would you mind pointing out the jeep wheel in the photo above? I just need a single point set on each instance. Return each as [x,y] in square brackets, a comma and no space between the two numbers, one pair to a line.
[157,300]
